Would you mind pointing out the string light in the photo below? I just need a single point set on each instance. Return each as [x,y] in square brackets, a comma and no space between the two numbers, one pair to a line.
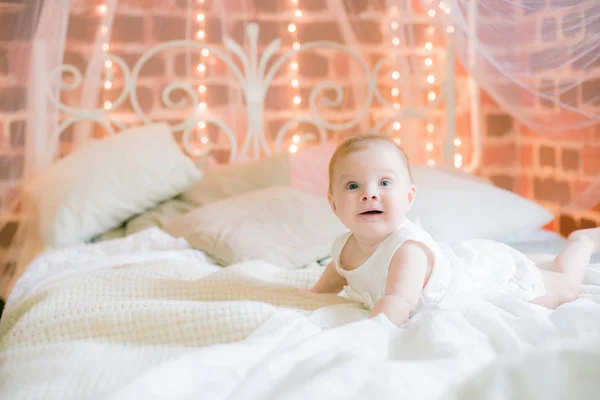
[444,7]
[431,95]
[430,79]
[395,91]
[294,145]
[201,70]
[458,160]
[102,9]
[395,26]
[295,79]
[429,149]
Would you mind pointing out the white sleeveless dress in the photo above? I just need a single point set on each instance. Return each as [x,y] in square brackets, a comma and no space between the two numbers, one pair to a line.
[487,268]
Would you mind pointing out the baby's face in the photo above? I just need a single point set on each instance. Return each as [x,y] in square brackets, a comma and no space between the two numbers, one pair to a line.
[371,191]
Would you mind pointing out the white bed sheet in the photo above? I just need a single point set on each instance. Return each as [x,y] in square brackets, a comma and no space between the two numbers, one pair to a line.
[147,317]
[541,243]
[538,235]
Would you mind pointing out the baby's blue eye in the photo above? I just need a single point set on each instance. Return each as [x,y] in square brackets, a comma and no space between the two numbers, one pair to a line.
[352,186]
[385,182]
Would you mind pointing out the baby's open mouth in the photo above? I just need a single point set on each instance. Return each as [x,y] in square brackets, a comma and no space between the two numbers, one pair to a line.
[371,212]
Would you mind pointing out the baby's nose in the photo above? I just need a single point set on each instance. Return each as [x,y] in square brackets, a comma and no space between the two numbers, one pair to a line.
[370,196]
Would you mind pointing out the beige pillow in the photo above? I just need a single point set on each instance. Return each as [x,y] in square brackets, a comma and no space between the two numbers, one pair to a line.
[307,170]
[281,225]
[157,216]
[236,179]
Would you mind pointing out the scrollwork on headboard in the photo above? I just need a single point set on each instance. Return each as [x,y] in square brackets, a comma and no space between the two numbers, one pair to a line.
[254,76]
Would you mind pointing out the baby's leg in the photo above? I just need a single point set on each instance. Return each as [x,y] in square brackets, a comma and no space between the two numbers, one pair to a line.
[563,281]
[592,235]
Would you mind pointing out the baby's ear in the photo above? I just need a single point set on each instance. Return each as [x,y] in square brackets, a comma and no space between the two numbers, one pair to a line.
[412,194]
[331,202]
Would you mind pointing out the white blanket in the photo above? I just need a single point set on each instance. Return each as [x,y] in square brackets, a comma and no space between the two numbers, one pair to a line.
[147,317]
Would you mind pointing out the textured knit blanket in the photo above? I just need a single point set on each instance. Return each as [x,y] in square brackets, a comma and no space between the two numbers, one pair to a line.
[146,317]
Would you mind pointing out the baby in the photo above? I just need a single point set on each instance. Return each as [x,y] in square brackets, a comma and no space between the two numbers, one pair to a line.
[392,266]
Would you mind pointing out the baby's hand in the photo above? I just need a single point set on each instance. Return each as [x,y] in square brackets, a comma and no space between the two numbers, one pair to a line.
[395,307]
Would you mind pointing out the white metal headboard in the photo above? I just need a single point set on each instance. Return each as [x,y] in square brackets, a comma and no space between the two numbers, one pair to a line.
[254,79]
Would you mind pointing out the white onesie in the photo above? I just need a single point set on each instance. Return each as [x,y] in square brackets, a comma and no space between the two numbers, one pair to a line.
[487,268]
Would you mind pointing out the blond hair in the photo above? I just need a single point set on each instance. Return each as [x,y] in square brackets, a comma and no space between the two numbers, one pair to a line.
[359,142]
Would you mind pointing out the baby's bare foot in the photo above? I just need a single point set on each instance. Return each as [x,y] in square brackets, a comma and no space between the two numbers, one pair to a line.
[592,235]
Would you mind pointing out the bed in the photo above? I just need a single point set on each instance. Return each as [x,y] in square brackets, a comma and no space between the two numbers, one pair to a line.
[169,279]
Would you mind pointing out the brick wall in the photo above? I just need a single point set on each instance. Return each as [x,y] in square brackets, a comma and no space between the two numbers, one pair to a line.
[550,172]
[141,25]
[553,170]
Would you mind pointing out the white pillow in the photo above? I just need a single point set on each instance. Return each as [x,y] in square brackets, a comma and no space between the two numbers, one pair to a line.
[454,206]
[98,187]
[281,225]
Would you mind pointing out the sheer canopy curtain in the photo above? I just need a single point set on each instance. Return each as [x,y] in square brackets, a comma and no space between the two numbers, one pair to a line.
[513,49]
[41,34]
[539,59]
[516,49]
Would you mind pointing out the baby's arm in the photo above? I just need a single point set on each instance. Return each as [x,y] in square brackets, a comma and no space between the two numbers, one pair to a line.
[407,273]
[330,281]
